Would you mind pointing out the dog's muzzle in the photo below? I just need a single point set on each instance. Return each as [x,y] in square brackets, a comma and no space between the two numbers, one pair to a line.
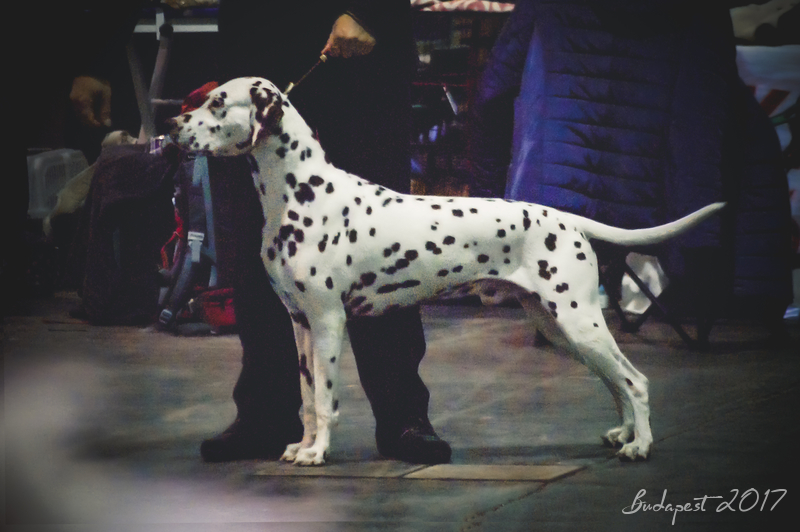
[174,127]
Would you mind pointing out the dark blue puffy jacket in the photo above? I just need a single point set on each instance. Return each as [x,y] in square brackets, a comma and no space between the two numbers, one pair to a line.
[632,113]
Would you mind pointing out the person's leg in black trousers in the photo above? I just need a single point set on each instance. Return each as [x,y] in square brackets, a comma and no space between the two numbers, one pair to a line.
[388,349]
[361,109]
[267,393]
[365,127]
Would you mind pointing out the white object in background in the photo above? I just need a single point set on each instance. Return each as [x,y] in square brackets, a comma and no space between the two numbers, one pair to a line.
[649,271]
[747,19]
[773,73]
[48,172]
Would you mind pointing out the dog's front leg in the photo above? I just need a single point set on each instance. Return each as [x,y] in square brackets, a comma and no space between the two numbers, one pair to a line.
[305,354]
[327,335]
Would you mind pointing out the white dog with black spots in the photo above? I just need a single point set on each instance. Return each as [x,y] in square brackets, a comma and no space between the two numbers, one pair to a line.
[337,246]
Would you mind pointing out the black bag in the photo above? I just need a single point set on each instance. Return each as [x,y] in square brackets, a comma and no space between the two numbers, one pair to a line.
[126,220]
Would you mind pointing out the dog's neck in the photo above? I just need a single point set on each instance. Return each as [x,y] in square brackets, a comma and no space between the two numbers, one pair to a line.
[283,161]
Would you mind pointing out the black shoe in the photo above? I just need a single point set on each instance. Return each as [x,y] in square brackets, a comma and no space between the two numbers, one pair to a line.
[241,442]
[416,443]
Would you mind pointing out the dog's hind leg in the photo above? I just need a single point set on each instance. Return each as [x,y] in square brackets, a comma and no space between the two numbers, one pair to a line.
[326,338]
[585,335]
[597,349]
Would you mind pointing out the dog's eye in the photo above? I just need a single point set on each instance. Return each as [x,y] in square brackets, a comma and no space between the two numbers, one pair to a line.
[217,102]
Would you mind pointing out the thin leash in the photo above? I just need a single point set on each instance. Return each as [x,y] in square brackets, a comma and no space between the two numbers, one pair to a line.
[323,58]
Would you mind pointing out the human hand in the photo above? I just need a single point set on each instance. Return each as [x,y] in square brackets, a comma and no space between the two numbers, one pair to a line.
[348,38]
[91,99]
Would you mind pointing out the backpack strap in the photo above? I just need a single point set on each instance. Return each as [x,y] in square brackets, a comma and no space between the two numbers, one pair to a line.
[199,253]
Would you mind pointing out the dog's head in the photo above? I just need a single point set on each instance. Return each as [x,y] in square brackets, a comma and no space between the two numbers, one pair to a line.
[232,120]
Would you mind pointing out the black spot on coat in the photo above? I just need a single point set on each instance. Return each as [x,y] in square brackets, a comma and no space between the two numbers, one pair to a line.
[304,194]
[387,288]
[285,231]
[550,241]
[543,273]
[304,370]
[300,319]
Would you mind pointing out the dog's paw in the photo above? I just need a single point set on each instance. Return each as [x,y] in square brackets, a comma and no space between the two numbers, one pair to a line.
[617,437]
[312,456]
[290,454]
[634,452]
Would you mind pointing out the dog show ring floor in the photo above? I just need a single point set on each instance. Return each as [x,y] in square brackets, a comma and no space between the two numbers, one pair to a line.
[102,427]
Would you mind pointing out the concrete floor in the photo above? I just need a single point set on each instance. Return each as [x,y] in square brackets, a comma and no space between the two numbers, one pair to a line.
[102,427]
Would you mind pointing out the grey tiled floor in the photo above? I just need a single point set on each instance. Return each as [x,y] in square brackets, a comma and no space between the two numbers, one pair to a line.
[102,426]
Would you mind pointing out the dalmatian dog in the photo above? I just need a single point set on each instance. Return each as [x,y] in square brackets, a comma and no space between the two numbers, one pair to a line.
[337,246]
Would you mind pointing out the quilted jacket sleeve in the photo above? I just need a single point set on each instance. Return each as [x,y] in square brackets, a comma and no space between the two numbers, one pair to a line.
[492,115]
[491,120]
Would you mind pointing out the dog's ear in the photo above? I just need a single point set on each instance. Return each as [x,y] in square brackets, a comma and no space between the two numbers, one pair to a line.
[266,113]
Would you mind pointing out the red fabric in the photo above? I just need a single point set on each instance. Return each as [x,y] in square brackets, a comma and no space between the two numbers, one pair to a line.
[179,234]
[197,97]
[217,308]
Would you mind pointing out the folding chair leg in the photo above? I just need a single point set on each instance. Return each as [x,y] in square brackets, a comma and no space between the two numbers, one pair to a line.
[704,323]
[703,330]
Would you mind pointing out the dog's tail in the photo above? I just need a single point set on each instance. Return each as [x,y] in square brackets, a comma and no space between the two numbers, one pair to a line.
[652,235]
